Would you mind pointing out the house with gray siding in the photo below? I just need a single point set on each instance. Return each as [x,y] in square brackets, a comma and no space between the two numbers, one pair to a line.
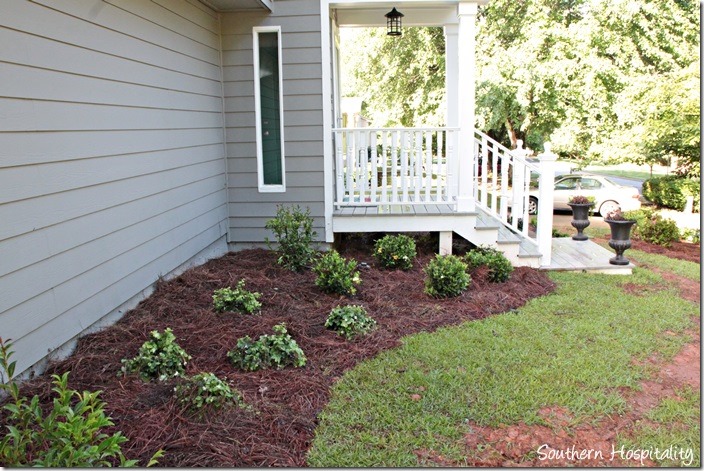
[141,137]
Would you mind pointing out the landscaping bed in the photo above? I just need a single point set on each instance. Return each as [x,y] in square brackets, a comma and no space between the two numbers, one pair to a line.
[277,428]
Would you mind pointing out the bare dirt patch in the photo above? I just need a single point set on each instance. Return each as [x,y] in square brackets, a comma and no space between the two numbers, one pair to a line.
[286,403]
[560,442]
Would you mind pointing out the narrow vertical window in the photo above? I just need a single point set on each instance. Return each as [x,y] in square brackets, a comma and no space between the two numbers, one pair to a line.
[268,93]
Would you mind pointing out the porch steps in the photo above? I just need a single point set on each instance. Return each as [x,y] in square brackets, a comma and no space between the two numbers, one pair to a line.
[488,231]
[477,227]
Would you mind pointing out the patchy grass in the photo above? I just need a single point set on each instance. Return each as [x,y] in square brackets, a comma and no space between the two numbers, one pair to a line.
[674,431]
[683,268]
[573,348]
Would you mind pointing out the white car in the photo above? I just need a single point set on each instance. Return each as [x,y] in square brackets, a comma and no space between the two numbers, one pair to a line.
[608,196]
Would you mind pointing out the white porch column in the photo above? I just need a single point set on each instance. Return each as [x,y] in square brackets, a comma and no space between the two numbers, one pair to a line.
[467,15]
[452,57]
[545,204]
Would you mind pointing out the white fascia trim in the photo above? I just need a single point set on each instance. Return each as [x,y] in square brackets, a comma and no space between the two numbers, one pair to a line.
[326,63]
[258,110]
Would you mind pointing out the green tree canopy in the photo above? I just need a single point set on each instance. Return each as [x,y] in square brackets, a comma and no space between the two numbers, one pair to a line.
[603,80]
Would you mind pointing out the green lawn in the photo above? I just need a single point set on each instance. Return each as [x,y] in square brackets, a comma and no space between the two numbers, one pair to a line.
[574,348]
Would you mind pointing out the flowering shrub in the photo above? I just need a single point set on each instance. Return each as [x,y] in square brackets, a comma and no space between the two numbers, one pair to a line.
[446,276]
[278,350]
[159,357]
[395,251]
[206,389]
[349,321]
[239,299]
[335,274]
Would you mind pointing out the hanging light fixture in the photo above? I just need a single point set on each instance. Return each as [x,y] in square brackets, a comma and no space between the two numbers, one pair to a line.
[393,22]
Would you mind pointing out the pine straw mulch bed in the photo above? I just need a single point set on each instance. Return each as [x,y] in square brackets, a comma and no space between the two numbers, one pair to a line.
[279,430]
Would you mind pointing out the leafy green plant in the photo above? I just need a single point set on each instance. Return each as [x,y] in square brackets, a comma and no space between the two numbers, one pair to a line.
[659,231]
[159,357]
[395,252]
[350,321]
[652,228]
[500,267]
[294,232]
[239,299]
[446,276]
[691,235]
[671,191]
[206,389]
[70,435]
[335,274]
[278,350]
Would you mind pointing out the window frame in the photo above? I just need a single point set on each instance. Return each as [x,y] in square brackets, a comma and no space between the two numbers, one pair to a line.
[268,188]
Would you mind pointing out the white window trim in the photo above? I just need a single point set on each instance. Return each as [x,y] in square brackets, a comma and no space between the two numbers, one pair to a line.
[257,110]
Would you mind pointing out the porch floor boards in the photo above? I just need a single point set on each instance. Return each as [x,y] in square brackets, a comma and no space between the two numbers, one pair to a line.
[397,209]
[587,256]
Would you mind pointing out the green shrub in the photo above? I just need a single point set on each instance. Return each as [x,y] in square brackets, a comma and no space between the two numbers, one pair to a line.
[335,274]
[159,357]
[395,252]
[671,191]
[278,350]
[294,232]
[350,321]
[239,300]
[206,389]
[652,228]
[70,435]
[659,231]
[500,267]
[640,216]
[691,235]
[446,276]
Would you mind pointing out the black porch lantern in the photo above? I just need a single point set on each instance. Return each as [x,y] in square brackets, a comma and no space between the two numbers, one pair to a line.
[393,22]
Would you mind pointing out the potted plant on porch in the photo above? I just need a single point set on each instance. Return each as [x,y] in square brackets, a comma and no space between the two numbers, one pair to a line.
[581,207]
[620,236]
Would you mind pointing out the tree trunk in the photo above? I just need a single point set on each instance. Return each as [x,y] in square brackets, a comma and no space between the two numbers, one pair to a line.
[511,133]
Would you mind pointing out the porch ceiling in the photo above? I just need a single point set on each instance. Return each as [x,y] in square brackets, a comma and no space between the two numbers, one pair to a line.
[235,5]
[366,13]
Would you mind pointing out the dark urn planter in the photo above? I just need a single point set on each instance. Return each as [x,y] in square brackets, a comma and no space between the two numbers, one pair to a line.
[620,240]
[580,219]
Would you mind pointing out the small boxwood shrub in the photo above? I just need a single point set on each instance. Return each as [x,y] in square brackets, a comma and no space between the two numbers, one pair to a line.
[335,274]
[659,231]
[395,252]
[652,228]
[70,434]
[446,276]
[294,232]
[238,300]
[278,350]
[350,321]
[500,267]
[671,191]
[160,358]
[207,390]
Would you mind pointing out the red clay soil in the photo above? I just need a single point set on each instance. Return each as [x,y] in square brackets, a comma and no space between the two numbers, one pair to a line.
[279,430]
[562,443]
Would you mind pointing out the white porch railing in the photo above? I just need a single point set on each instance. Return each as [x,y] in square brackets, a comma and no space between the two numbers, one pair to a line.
[503,182]
[406,166]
